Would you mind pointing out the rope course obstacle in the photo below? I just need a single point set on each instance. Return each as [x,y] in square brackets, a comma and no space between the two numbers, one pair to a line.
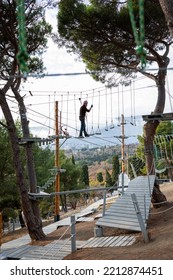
[163,152]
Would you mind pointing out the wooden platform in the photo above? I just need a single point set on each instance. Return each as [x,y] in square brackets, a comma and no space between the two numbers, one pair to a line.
[59,249]
[109,241]
[122,213]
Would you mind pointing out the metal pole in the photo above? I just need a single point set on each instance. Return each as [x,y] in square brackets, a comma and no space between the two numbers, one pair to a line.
[104,202]
[57,178]
[73,234]
[149,187]
[140,219]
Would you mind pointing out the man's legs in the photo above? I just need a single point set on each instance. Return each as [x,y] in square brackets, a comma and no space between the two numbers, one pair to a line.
[86,134]
[82,128]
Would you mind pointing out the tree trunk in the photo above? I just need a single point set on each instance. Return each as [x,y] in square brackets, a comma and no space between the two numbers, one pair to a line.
[151,126]
[149,132]
[33,223]
[158,197]
[63,199]
[29,156]
[167,8]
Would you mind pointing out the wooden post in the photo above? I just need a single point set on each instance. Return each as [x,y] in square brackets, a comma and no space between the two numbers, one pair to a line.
[57,179]
[73,234]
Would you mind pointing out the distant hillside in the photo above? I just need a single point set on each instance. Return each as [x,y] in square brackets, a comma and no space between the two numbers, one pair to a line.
[94,155]
[96,168]
[99,159]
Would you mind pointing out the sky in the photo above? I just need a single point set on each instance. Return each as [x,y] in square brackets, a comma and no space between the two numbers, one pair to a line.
[135,99]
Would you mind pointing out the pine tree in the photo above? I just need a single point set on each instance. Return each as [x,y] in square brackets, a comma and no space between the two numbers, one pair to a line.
[108,179]
[115,169]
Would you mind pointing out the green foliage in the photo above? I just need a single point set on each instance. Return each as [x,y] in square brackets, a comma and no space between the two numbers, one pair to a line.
[9,213]
[70,180]
[115,169]
[100,177]
[46,208]
[165,128]
[163,148]
[37,32]
[44,160]
[9,197]
[85,175]
[84,28]
[72,159]
[108,179]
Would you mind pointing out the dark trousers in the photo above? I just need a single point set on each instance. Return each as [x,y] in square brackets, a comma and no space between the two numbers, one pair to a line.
[83,127]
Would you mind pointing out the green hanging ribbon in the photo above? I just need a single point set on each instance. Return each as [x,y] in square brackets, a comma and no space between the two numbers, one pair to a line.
[139,36]
[22,55]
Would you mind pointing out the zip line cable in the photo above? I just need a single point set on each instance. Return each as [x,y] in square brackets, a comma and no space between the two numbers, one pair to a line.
[55,92]
[44,75]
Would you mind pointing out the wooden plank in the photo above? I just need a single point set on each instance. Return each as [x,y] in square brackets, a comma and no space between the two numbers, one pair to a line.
[120,218]
[131,240]
[120,241]
[111,241]
[120,225]
[106,242]
[123,212]
[121,222]
[85,219]
[94,240]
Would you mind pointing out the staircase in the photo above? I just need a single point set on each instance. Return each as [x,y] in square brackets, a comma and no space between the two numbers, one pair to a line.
[124,212]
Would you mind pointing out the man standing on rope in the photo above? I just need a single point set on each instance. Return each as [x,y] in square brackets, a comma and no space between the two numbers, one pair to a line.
[82,115]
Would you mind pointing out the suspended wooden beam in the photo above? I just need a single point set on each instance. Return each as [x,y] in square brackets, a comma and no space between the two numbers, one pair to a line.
[23,141]
[159,117]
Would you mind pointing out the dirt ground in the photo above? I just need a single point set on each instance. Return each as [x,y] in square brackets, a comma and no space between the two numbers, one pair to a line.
[160,229]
